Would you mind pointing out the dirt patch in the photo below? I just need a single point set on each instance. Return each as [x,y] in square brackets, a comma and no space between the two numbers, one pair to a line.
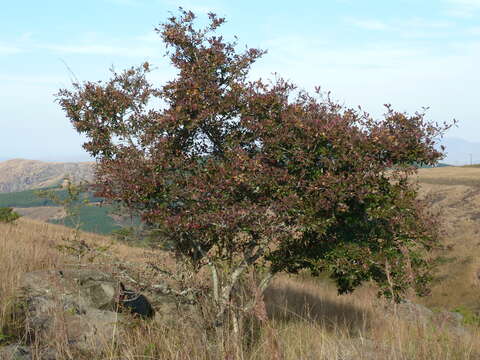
[42,213]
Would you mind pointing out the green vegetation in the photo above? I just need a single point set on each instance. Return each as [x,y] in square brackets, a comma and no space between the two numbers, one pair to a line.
[7,215]
[27,198]
[469,317]
[92,218]
[436,166]
[31,198]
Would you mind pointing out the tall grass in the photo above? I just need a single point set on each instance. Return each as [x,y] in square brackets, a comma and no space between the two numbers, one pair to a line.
[306,318]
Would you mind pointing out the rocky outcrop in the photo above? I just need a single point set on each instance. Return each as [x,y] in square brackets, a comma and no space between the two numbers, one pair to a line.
[76,307]
[22,352]
[15,352]
[450,321]
[135,303]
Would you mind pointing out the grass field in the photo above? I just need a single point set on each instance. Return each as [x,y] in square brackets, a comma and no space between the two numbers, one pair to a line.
[92,218]
[30,198]
[306,317]
[454,192]
[24,199]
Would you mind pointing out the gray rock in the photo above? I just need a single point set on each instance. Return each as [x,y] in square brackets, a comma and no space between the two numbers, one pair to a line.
[15,352]
[22,352]
[77,305]
[451,321]
[136,303]
[413,312]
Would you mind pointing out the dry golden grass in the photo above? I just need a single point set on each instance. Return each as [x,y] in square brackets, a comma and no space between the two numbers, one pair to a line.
[42,213]
[455,193]
[306,317]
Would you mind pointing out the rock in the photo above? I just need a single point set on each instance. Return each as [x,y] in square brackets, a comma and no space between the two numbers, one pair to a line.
[136,303]
[22,352]
[450,321]
[78,306]
[15,352]
[413,312]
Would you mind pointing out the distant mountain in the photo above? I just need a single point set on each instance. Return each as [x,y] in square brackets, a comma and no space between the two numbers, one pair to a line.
[461,152]
[21,174]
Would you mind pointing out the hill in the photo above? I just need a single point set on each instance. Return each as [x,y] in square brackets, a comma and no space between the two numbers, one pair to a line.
[454,193]
[303,317]
[93,217]
[21,174]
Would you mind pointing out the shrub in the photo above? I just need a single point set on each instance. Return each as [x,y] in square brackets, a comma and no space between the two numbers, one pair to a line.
[7,215]
[244,176]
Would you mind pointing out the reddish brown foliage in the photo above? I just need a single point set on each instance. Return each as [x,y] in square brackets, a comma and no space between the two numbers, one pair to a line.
[244,172]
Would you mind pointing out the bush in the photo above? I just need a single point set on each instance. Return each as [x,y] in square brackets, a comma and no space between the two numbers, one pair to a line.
[7,215]
[247,177]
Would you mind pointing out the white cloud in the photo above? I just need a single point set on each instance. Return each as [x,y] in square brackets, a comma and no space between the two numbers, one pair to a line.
[463,8]
[369,24]
[294,51]
[28,79]
[198,7]
[150,37]
[411,28]
[100,49]
[26,36]
[10,50]
[469,3]
[474,30]
[123,2]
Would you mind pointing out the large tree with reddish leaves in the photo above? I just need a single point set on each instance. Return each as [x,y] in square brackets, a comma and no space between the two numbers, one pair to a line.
[242,175]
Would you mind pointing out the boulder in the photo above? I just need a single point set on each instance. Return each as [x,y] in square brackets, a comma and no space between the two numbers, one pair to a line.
[136,303]
[79,307]
[15,352]
[450,321]
[22,352]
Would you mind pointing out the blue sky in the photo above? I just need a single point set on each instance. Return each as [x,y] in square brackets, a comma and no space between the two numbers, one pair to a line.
[407,53]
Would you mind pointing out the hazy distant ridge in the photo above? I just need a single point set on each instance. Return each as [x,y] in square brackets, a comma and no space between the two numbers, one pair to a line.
[461,152]
[21,174]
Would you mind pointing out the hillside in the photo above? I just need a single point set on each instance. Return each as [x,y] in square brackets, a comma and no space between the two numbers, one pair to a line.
[305,317]
[94,217]
[20,174]
[454,193]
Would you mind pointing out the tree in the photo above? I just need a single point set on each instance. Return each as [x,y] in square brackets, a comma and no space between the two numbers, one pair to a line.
[241,175]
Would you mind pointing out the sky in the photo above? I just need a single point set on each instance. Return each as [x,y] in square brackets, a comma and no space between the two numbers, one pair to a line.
[407,53]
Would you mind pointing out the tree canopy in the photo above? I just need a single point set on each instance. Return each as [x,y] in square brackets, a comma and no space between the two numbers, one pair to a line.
[256,174]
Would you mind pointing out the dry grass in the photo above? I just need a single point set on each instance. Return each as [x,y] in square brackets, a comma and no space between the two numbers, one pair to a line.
[459,205]
[306,317]
[42,213]
[451,175]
